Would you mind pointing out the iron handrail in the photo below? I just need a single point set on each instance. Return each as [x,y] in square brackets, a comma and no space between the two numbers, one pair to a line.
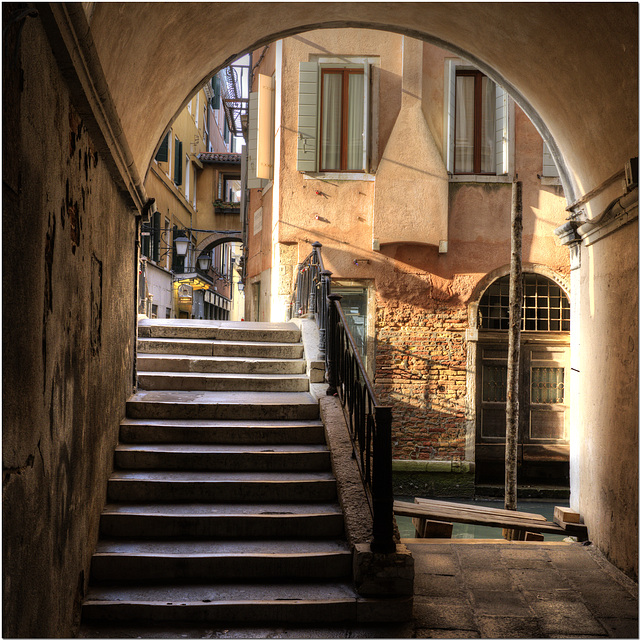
[368,422]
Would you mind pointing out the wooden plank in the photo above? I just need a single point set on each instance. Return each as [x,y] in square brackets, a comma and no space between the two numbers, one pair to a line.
[479,509]
[468,517]
[432,528]
[564,514]
[530,536]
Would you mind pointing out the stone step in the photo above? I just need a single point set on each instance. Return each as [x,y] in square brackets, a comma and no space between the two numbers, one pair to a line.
[308,603]
[169,381]
[179,560]
[222,521]
[218,364]
[228,405]
[222,432]
[219,330]
[220,348]
[204,486]
[216,457]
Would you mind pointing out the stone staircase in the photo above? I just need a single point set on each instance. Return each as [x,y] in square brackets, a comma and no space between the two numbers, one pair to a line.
[222,506]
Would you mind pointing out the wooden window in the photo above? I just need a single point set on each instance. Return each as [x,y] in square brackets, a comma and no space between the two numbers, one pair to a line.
[342,120]
[475,124]
[163,151]
[177,169]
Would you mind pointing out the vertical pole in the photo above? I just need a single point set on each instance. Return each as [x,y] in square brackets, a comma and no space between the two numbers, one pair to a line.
[323,308]
[296,309]
[381,483]
[332,345]
[513,359]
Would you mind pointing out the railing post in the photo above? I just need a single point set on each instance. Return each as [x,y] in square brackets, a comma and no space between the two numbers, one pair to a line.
[332,339]
[296,309]
[315,268]
[382,487]
[325,290]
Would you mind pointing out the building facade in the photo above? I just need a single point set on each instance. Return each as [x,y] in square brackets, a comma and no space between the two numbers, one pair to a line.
[399,158]
[195,181]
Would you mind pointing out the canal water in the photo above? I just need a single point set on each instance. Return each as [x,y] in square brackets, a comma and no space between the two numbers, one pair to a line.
[407,530]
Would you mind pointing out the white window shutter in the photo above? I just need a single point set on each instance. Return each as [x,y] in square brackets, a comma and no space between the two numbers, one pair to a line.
[450,112]
[366,120]
[253,182]
[549,169]
[308,117]
[502,142]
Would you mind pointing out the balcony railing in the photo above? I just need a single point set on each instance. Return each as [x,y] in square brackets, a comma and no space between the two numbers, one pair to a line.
[368,422]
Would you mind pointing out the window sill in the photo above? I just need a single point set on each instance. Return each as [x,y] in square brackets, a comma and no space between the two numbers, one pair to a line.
[366,177]
[550,181]
[482,179]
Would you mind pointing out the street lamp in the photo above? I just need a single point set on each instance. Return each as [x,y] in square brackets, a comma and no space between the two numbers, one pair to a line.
[204,260]
[182,244]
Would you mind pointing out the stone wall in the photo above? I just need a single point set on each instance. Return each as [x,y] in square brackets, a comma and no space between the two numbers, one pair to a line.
[68,337]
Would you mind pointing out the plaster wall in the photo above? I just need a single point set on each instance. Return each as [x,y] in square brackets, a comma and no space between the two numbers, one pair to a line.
[609,415]
[68,339]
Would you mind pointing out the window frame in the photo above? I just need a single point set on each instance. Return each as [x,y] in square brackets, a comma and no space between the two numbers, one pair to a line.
[345,72]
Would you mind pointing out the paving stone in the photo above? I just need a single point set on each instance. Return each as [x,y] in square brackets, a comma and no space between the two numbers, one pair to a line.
[567,595]
[443,613]
[558,617]
[539,579]
[500,603]
[437,564]
[437,586]
[573,558]
[620,627]
[488,579]
[446,633]
[509,627]
[479,557]
[522,558]
[606,597]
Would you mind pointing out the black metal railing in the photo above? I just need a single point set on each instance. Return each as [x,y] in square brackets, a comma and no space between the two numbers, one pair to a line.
[368,422]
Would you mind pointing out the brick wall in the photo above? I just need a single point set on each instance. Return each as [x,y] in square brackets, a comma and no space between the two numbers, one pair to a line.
[421,360]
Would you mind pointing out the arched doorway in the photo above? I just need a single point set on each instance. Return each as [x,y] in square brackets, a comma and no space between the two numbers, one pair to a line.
[543,439]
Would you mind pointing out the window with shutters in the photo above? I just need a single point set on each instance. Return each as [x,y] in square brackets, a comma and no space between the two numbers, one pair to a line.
[549,168]
[163,151]
[478,140]
[334,115]
[177,168]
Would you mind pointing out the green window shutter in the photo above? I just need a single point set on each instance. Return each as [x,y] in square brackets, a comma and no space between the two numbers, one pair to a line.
[155,235]
[449,112]
[215,85]
[177,163]
[502,132]
[308,117]
[163,151]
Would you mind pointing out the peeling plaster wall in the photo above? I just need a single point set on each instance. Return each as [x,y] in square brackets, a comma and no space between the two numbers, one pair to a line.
[68,340]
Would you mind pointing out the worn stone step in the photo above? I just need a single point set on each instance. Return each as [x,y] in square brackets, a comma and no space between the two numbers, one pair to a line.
[236,521]
[220,348]
[138,430]
[209,457]
[310,603]
[219,330]
[180,560]
[212,405]
[218,364]
[205,486]
[170,381]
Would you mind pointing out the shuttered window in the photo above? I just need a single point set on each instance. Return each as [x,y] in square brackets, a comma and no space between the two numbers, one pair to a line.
[476,123]
[333,117]
[177,169]
[163,151]
[549,169]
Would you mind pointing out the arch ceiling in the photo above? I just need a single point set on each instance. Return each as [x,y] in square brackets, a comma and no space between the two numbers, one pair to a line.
[571,66]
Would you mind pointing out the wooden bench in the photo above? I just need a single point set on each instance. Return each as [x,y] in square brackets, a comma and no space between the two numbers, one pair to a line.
[441,511]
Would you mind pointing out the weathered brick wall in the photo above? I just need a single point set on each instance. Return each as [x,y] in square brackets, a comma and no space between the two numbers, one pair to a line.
[421,372]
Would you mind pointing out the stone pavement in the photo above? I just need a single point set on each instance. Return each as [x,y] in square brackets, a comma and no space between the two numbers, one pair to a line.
[481,589]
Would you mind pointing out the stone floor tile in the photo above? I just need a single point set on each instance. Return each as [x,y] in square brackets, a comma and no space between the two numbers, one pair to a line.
[446,633]
[539,579]
[605,598]
[620,627]
[525,558]
[437,586]
[437,564]
[443,613]
[566,617]
[573,558]
[509,627]
[564,594]
[478,557]
[488,579]
[500,603]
